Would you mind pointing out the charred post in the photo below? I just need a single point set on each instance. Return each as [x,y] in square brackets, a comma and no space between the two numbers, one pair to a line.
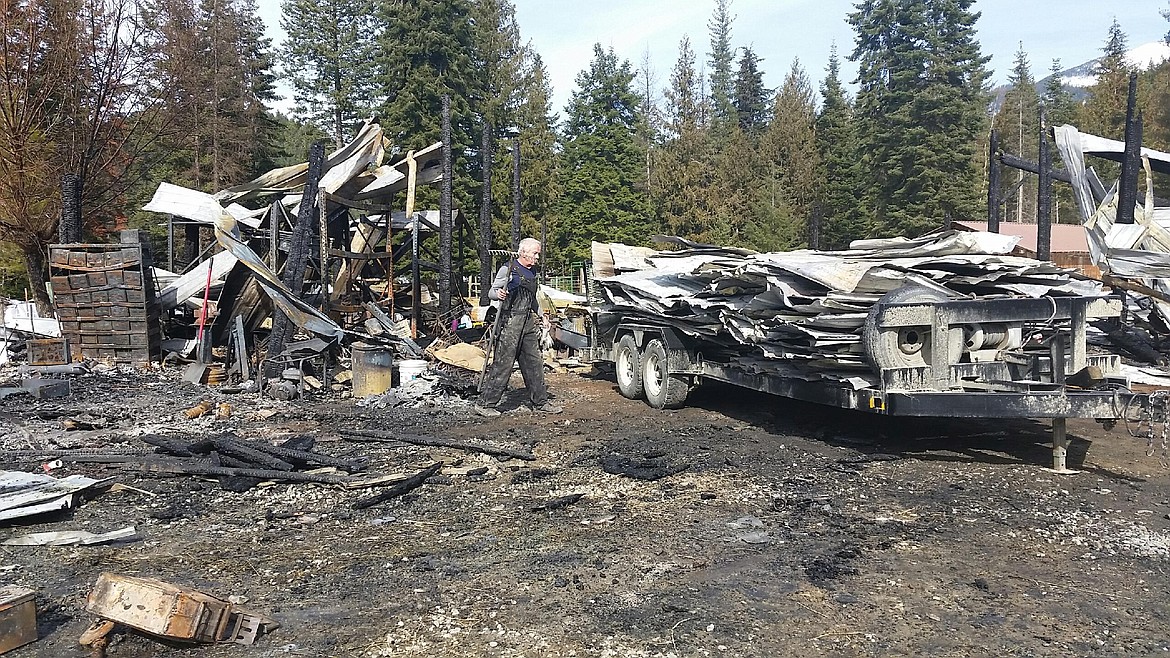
[190,244]
[299,249]
[1044,196]
[445,226]
[993,166]
[171,242]
[516,195]
[69,230]
[1131,161]
[485,216]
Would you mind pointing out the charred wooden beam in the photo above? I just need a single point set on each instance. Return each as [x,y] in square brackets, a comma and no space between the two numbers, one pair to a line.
[445,227]
[293,276]
[409,484]
[435,442]
[1131,161]
[1044,196]
[485,217]
[993,166]
[179,468]
[232,445]
[516,194]
[1032,167]
[557,503]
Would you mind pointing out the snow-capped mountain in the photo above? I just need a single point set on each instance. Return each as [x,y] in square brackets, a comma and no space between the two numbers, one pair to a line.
[1079,78]
[1084,75]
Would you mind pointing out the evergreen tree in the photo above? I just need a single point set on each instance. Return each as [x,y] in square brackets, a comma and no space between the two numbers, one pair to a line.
[258,89]
[921,111]
[680,186]
[650,130]
[426,50]
[790,147]
[841,215]
[750,97]
[1059,109]
[601,171]
[329,55]
[1059,106]
[1018,122]
[684,101]
[720,60]
[498,62]
[538,176]
[1103,113]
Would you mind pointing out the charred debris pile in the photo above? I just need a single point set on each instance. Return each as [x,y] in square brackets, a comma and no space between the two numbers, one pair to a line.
[318,277]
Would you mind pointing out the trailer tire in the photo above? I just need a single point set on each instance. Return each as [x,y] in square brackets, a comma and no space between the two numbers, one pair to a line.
[905,347]
[627,365]
[663,390]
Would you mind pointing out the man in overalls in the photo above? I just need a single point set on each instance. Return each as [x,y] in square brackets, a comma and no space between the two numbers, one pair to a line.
[518,333]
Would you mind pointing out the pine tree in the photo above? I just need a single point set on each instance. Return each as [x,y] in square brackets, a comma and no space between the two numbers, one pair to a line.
[921,111]
[427,49]
[790,147]
[1103,113]
[498,62]
[1018,122]
[681,183]
[750,98]
[258,89]
[538,176]
[841,214]
[329,56]
[720,60]
[1059,106]
[1059,109]
[601,169]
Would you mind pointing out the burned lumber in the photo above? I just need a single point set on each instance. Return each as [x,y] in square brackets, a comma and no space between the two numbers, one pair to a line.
[557,503]
[649,469]
[406,486]
[180,468]
[435,442]
[169,445]
[307,457]
[232,445]
[76,453]
[1137,344]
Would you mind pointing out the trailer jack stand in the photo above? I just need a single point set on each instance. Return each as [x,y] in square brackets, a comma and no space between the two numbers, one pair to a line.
[1060,447]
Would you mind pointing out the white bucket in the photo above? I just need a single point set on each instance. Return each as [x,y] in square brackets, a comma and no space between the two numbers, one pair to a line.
[409,369]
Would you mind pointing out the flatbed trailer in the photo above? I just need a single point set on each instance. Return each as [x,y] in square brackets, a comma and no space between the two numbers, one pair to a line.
[929,357]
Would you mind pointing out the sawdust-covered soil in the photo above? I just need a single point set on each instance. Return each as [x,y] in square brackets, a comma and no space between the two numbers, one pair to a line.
[740,525]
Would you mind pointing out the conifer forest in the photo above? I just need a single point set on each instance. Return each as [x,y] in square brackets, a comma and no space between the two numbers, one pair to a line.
[127,93]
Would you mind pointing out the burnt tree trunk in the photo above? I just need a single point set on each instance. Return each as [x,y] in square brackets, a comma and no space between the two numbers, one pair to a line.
[38,275]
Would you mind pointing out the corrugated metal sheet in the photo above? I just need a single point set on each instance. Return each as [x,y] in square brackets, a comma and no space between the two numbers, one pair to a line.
[26,494]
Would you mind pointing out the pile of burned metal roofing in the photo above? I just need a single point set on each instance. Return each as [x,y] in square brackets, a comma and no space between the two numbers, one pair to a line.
[808,307]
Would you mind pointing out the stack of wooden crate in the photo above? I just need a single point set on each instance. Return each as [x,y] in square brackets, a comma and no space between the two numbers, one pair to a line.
[105,299]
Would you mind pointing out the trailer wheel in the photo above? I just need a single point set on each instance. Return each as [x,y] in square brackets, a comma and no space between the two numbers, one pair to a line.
[663,390]
[628,366]
[901,347]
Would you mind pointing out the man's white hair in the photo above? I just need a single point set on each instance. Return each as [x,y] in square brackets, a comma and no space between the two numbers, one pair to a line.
[527,247]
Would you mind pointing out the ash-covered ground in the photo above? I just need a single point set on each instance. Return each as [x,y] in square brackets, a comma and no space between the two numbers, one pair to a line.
[741,525]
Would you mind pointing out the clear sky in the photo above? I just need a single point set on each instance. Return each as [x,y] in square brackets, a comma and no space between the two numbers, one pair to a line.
[564,31]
